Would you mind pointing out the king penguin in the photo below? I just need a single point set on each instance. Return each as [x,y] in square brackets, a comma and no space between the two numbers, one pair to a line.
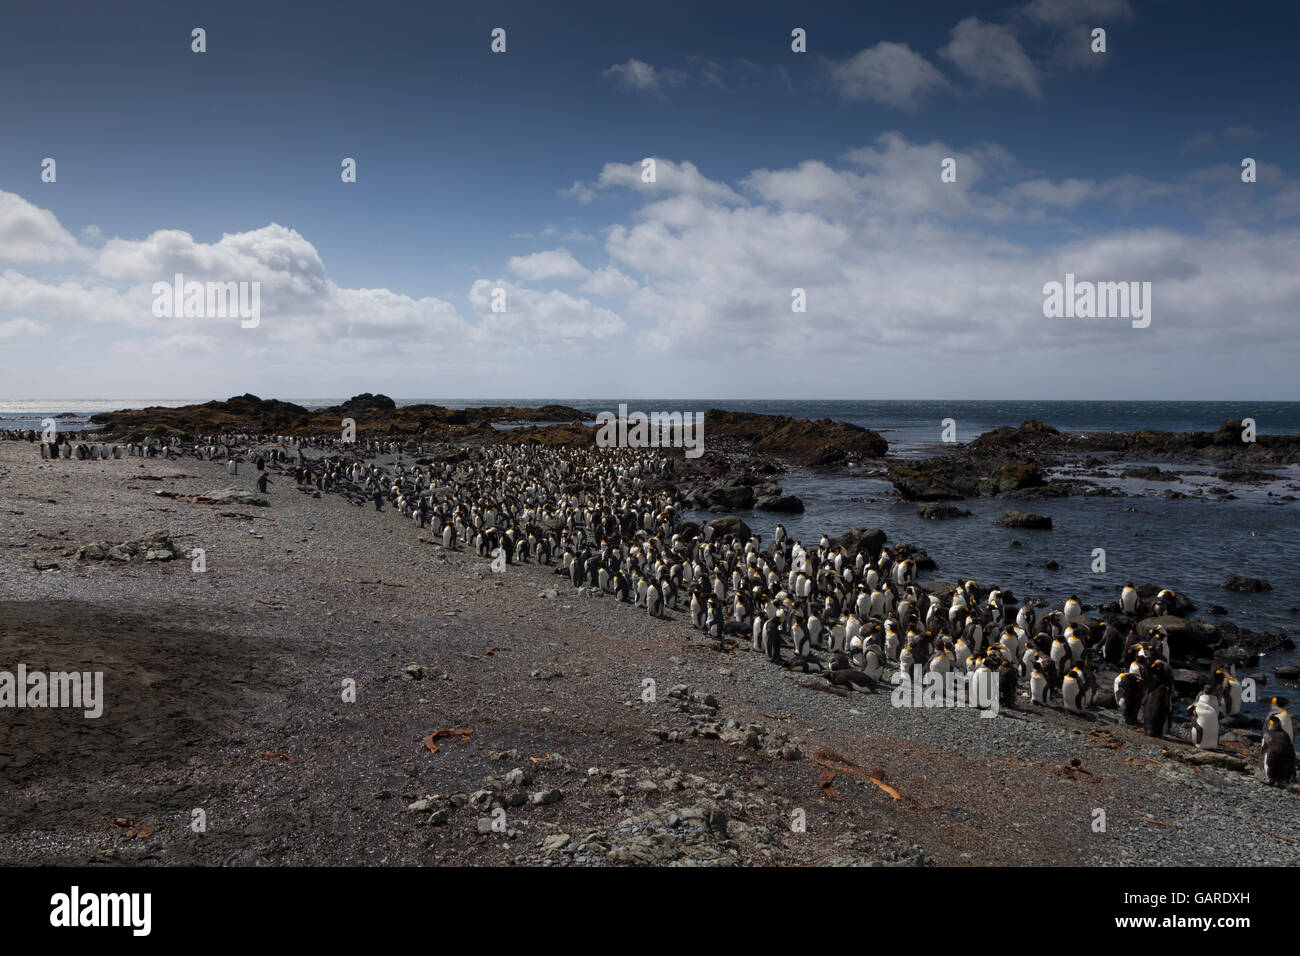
[1205,723]
[1278,753]
[1155,711]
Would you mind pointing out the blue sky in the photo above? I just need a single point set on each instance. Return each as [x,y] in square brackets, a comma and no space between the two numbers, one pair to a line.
[520,170]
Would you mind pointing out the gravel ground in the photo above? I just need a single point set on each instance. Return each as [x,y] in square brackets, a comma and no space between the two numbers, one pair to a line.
[225,694]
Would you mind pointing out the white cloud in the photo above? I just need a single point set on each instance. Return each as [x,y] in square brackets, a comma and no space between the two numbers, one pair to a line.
[608,282]
[1043,192]
[552,264]
[670,178]
[638,75]
[20,327]
[302,308]
[900,269]
[542,318]
[991,55]
[31,234]
[891,259]
[889,73]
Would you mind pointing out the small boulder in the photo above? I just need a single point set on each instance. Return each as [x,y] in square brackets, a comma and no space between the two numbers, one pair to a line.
[1024,519]
[785,504]
[730,524]
[940,511]
[1245,585]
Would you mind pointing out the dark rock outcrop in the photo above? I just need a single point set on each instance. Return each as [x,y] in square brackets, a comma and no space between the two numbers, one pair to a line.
[941,512]
[1244,585]
[1023,519]
[784,504]
[870,540]
[730,524]
[819,443]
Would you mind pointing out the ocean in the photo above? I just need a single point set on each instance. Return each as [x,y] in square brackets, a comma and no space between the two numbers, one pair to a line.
[1189,545]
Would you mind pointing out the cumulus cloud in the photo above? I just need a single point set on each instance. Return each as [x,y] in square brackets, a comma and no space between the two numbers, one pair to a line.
[670,178]
[897,267]
[31,234]
[890,258]
[552,264]
[535,317]
[991,55]
[608,282]
[301,306]
[889,73]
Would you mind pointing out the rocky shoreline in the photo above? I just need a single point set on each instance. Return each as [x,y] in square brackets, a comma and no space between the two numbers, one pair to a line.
[239,667]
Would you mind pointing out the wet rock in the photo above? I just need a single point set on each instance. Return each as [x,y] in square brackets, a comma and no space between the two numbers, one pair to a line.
[726,498]
[939,511]
[784,504]
[730,524]
[1024,519]
[869,540]
[1008,478]
[1245,585]
[1148,473]
[905,551]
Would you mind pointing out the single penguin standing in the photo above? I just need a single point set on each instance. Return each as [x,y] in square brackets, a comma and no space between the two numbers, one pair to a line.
[1278,753]
[1155,711]
[1205,723]
[1072,692]
[1038,686]
[1128,695]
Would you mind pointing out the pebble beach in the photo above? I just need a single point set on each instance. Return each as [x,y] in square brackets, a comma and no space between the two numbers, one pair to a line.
[294,692]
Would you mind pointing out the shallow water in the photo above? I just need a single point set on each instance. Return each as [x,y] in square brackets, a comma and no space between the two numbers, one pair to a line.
[1190,546]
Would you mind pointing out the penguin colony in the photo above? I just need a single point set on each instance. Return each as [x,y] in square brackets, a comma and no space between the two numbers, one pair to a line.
[609,519]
